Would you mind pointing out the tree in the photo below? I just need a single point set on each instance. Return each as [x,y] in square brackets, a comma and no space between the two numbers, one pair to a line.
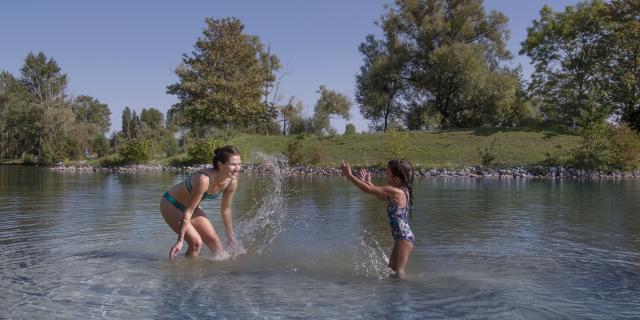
[289,113]
[330,105]
[624,48]
[569,57]
[226,79]
[126,123]
[90,110]
[53,121]
[152,119]
[380,83]
[442,60]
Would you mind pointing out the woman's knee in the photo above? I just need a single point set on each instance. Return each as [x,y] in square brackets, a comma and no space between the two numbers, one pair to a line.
[195,244]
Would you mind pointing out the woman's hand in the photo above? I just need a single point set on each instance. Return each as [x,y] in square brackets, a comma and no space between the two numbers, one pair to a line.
[175,249]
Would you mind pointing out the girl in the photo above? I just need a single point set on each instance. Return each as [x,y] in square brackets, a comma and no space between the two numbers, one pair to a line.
[399,195]
[180,205]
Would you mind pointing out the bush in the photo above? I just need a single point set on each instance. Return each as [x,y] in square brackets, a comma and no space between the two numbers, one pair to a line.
[294,152]
[625,148]
[350,129]
[315,153]
[594,151]
[202,151]
[488,155]
[135,151]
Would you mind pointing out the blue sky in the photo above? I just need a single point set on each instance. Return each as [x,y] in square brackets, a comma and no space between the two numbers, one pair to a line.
[124,52]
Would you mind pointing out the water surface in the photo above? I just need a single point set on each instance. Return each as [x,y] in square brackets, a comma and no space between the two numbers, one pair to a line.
[92,245]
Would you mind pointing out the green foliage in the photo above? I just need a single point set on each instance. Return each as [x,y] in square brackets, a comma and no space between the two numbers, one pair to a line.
[625,147]
[294,152]
[439,60]
[100,145]
[586,60]
[90,110]
[135,151]
[329,105]
[396,144]
[315,153]
[488,153]
[349,129]
[169,145]
[594,151]
[202,151]
[226,80]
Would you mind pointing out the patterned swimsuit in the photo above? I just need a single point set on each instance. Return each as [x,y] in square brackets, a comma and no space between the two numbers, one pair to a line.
[398,219]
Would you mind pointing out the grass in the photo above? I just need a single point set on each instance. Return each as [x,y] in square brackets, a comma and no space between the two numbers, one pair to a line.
[445,149]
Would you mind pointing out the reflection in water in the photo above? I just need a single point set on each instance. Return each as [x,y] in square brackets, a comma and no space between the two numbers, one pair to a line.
[85,245]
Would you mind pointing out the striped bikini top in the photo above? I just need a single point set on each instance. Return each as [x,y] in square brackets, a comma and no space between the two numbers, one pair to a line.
[206,195]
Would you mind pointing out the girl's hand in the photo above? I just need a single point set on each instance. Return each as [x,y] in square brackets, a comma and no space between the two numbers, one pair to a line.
[346,169]
[175,249]
[365,176]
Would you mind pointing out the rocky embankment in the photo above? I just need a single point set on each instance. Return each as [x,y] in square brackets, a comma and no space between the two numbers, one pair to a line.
[532,172]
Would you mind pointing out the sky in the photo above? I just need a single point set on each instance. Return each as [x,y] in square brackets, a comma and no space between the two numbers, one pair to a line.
[124,53]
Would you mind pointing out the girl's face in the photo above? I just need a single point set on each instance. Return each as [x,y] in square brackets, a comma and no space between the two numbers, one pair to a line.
[231,168]
[391,179]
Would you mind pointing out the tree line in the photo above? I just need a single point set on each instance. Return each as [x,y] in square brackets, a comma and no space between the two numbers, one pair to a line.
[439,64]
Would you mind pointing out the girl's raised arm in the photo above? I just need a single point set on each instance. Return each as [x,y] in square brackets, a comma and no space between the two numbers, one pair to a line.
[364,183]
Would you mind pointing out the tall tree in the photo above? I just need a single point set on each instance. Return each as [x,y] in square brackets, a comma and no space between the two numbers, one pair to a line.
[46,84]
[445,57]
[127,123]
[624,48]
[330,105]
[152,118]
[566,48]
[226,79]
[90,110]
[289,113]
[380,83]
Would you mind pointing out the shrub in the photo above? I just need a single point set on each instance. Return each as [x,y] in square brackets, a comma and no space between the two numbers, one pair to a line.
[350,129]
[625,148]
[488,155]
[202,151]
[135,151]
[594,151]
[294,152]
[315,153]
[100,145]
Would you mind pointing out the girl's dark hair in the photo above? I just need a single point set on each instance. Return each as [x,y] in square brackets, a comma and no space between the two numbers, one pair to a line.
[402,169]
[222,154]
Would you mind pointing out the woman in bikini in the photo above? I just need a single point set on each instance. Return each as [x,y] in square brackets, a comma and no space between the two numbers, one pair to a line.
[180,205]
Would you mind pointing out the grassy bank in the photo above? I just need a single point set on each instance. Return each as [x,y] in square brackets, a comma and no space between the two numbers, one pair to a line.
[446,149]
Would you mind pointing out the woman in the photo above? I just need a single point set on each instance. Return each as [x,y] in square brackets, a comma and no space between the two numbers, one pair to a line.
[180,205]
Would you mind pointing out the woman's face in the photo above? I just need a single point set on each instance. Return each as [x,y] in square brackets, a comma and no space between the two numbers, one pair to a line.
[232,167]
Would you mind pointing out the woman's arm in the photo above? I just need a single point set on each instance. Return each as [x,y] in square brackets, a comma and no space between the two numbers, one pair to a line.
[364,183]
[225,211]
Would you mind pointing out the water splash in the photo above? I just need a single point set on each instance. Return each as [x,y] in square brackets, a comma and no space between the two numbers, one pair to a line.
[370,259]
[260,226]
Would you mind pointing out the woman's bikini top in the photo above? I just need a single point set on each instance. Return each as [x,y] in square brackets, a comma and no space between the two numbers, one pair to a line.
[205,195]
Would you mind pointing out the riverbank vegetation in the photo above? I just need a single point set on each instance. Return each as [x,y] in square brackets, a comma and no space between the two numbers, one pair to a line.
[436,87]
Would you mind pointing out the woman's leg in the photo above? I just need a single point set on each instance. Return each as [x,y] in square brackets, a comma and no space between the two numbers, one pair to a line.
[172,216]
[403,249]
[204,227]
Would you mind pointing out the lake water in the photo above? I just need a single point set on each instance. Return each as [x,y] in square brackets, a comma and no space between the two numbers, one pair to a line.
[94,245]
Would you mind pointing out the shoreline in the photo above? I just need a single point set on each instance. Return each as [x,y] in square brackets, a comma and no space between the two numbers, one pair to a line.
[517,172]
